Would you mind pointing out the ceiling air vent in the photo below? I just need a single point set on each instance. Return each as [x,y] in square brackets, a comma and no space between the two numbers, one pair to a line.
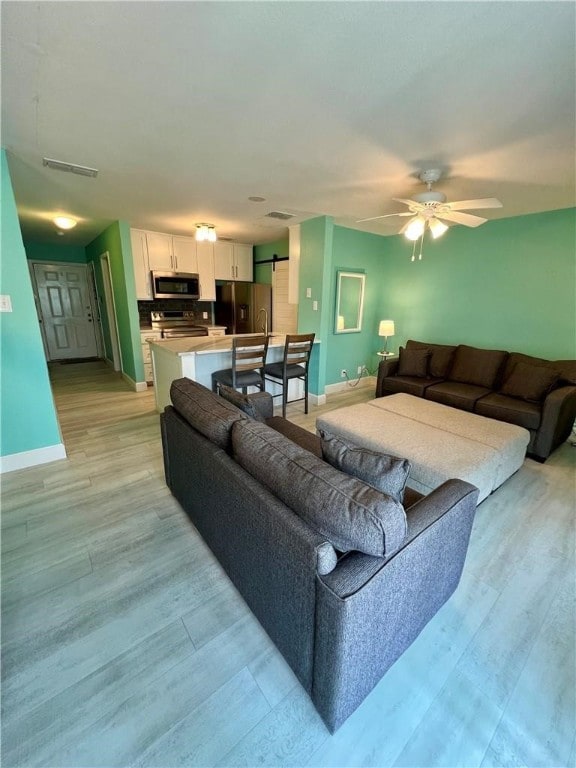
[280,215]
[61,165]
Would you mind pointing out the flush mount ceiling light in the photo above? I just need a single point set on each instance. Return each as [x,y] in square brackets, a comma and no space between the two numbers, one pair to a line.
[64,222]
[206,232]
[62,165]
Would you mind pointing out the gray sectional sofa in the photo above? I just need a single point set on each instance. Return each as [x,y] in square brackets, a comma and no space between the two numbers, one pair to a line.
[537,394]
[342,576]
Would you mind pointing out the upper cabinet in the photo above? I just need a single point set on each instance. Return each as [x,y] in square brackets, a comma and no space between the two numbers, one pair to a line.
[141,267]
[233,261]
[173,253]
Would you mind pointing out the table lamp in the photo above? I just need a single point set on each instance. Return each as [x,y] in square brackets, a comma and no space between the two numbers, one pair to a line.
[386,328]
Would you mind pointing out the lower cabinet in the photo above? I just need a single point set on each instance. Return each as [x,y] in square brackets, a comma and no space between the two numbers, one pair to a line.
[145,337]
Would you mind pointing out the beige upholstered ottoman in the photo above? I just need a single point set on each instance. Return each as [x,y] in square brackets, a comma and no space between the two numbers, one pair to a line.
[440,442]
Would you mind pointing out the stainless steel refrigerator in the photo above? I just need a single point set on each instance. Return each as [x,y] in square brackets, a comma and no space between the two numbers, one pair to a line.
[244,307]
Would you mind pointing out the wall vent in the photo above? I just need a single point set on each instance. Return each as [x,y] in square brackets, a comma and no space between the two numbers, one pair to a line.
[280,215]
[61,165]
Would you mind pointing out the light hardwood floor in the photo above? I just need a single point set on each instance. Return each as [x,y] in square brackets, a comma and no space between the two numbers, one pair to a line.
[124,644]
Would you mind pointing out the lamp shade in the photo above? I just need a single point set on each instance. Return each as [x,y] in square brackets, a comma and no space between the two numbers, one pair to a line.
[386,328]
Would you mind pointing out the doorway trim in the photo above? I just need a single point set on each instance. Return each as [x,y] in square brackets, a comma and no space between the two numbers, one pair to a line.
[117,363]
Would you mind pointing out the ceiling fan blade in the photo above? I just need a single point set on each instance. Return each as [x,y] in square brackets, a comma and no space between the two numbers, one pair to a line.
[385,216]
[406,202]
[461,218]
[485,202]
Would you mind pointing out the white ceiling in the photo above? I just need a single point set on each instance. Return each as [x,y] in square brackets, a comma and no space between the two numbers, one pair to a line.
[188,108]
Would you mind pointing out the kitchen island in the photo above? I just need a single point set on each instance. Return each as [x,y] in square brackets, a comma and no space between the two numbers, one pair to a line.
[197,357]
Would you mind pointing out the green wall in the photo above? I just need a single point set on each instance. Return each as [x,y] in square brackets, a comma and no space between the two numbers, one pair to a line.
[28,416]
[510,284]
[116,241]
[263,272]
[74,254]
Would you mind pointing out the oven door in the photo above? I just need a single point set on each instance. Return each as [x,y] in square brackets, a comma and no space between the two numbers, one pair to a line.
[178,333]
[175,285]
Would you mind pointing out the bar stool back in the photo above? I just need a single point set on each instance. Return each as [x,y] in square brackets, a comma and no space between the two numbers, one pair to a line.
[294,365]
[248,361]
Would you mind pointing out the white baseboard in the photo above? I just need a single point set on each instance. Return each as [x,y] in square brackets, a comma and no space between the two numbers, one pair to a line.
[344,386]
[316,399]
[137,386]
[27,459]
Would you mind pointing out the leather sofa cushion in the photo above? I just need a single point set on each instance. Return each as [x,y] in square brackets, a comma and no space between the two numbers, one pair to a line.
[510,409]
[566,369]
[350,513]
[463,396]
[384,472]
[211,415]
[411,385]
[441,357]
[414,362]
[477,366]
[529,382]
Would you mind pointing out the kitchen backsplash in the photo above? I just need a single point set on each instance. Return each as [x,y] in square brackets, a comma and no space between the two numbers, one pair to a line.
[162,305]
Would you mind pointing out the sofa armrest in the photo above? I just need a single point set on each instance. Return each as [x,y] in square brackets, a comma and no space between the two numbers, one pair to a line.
[558,415]
[369,611]
[386,368]
[263,403]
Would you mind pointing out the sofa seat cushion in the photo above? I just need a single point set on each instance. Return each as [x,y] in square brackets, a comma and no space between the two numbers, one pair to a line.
[480,367]
[385,472]
[350,513]
[441,356]
[510,409]
[458,395]
[208,413]
[412,385]
[529,382]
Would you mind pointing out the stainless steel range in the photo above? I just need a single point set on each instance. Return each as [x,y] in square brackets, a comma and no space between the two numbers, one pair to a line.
[175,324]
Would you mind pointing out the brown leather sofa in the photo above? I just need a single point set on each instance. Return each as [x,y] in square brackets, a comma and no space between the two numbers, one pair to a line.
[537,394]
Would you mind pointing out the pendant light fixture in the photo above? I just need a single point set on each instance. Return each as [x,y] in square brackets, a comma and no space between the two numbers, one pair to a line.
[206,232]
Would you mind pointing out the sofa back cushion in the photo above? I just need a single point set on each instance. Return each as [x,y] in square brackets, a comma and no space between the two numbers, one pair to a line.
[440,359]
[350,513]
[477,366]
[414,362]
[566,369]
[211,415]
[529,382]
[384,472]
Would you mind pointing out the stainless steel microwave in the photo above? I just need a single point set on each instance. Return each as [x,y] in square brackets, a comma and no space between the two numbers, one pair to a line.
[175,285]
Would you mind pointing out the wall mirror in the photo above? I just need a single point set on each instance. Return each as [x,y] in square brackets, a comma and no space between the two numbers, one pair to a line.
[349,302]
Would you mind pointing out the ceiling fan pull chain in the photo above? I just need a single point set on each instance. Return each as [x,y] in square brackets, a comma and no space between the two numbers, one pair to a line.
[421,243]
[413,250]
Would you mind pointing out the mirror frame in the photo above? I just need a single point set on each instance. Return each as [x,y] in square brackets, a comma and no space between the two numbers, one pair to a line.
[338,326]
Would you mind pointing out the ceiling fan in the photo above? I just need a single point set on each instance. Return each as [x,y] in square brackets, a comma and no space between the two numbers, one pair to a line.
[429,208]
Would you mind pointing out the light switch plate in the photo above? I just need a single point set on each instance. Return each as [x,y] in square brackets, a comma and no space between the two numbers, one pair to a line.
[5,303]
[315,306]
[308,293]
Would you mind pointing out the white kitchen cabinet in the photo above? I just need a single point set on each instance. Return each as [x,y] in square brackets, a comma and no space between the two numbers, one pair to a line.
[145,337]
[160,251]
[205,253]
[223,260]
[243,262]
[141,268]
[184,254]
[233,261]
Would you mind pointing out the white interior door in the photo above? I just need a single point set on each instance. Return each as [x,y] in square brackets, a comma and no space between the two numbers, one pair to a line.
[66,309]
[284,315]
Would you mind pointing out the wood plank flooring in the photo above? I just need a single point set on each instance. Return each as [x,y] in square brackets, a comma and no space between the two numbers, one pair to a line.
[124,643]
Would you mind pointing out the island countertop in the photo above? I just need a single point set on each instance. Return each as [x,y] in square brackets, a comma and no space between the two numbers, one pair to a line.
[188,345]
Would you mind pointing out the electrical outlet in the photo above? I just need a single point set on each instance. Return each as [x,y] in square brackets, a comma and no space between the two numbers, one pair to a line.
[360,370]
[343,373]
[204,315]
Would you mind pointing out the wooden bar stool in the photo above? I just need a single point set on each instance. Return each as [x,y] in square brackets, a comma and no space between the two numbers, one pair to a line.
[294,365]
[248,360]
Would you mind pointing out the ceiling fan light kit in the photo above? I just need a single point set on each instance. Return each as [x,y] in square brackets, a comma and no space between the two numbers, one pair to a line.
[430,210]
